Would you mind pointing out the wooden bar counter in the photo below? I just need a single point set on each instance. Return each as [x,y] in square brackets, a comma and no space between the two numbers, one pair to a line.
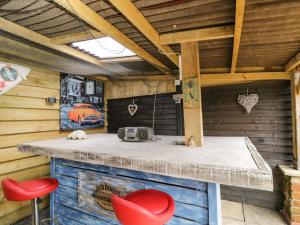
[90,170]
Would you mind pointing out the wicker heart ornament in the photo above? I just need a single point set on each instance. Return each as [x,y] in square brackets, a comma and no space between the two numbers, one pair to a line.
[248,101]
[132,109]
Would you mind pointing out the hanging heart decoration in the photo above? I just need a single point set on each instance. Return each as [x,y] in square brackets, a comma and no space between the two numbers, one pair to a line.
[248,101]
[11,75]
[132,108]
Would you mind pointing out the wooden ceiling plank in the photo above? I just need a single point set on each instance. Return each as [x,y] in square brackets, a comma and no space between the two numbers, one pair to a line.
[81,10]
[239,17]
[76,37]
[30,35]
[293,63]
[129,10]
[197,35]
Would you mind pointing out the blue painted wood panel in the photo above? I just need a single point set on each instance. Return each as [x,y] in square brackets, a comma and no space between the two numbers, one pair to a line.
[197,203]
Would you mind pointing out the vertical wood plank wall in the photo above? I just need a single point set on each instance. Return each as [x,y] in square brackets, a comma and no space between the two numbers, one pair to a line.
[25,116]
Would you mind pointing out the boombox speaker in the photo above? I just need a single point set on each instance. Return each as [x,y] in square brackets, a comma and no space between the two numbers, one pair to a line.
[136,134]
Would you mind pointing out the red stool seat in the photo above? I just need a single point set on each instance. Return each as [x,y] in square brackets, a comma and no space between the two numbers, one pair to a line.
[153,201]
[144,207]
[28,190]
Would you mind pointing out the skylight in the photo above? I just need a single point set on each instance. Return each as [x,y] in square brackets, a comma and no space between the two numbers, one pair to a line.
[103,48]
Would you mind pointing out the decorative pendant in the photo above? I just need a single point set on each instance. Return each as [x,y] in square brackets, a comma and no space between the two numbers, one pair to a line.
[11,75]
[248,101]
[132,108]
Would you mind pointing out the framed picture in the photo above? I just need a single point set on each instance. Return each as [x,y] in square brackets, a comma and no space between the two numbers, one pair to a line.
[82,102]
[90,88]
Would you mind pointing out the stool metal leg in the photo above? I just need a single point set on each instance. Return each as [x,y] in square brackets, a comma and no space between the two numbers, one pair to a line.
[35,212]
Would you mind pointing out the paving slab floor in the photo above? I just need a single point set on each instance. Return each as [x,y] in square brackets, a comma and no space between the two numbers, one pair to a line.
[234,213]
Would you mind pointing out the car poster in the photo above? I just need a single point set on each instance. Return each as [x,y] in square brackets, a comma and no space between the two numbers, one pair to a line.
[81,102]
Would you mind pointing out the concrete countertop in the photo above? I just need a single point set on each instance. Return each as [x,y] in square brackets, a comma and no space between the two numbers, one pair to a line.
[232,161]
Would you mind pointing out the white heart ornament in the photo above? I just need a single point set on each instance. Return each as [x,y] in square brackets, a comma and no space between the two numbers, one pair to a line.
[248,101]
[132,109]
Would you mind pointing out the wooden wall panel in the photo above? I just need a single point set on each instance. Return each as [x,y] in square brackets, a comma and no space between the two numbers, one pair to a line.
[25,116]
[125,89]
[165,118]
[269,127]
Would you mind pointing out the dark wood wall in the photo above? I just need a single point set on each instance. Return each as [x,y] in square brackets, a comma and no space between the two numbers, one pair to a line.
[268,126]
[166,120]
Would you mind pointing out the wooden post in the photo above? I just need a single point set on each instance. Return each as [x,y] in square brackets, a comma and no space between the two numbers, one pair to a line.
[193,125]
[296,118]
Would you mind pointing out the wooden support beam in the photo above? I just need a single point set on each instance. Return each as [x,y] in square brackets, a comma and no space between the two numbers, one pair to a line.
[129,10]
[239,17]
[192,106]
[122,59]
[293,63]
[76,37]
[81,10]
[35,37]
[148,77]
[296,119]
[197,35]
[238,78]
[208,80]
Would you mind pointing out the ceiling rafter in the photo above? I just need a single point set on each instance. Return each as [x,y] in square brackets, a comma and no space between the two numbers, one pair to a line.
[204,34]
[239,17]
[122,59]
[132,13]
[81,10]
[76,37]
[35,37]
[293,63]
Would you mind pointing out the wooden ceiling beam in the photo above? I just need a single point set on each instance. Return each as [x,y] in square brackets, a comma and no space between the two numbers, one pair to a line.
[35,37]
[129,10]
[82,11]
[239,17]
[237,78]
[205,34]
[293,63]
[122,59]
[208,80]
[76,37]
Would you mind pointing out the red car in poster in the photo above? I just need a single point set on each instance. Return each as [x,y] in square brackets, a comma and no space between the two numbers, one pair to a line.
[83,113]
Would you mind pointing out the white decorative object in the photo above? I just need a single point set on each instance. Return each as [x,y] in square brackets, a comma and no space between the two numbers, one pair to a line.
[248,101]
[77,134]
[132,108]
[192,142]
[11,75]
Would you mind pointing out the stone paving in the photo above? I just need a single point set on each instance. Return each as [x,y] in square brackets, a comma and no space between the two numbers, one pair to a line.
[235,213]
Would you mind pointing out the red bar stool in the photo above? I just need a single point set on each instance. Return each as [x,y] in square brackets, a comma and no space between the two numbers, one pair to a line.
[29,190]
[144,207]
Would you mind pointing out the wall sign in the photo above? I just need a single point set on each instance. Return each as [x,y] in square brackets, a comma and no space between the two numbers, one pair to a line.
[95,191]
[82,102]
[11,75]
[191,95]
